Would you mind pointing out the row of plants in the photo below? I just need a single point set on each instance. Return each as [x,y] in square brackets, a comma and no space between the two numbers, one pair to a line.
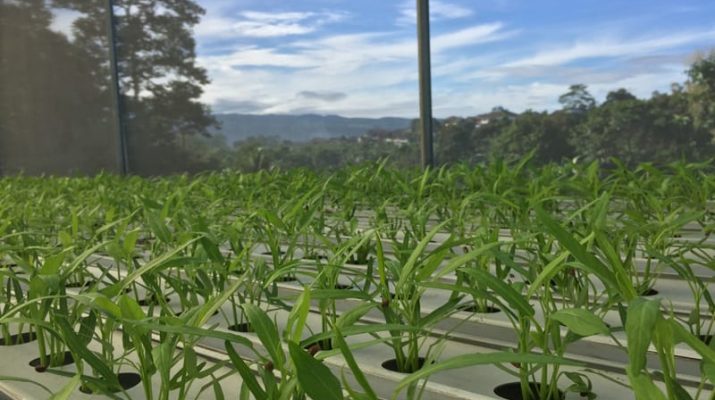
[553,249]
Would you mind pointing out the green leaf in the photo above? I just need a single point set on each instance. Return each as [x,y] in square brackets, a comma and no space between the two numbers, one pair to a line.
[314,377]
[69,389]
[24,380]
[249,379]
[103,303]
[52,264]
[681,335]
[708,370]
[551,269]
[130,309]
[158,227]
[591,263]
[507,292]
[468,360]
[159,262]
[644,388]
[580,321]
[411,264]
[298,316]
[353,365]
[212,250]
[130,242]
[267,332]
[640,322]
[198,332]
[78,348]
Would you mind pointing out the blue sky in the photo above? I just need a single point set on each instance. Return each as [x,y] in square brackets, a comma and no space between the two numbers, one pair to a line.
[358,57]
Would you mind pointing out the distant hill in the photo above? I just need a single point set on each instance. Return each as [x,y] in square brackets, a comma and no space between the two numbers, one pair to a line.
[301,128]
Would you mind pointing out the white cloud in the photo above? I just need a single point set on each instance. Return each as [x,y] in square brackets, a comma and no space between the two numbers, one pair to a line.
[439,10]
[542,94]
[255,24]
[366,67]
[471,36]
[374,73]
[610,47]
[62,21]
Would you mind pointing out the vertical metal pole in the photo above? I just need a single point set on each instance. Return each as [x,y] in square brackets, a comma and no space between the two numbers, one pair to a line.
[123,159]
[423,39]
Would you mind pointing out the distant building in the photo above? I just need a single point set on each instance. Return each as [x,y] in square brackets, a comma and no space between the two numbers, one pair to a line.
[399,142]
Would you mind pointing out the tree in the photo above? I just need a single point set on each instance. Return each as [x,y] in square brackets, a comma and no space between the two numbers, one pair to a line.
[701,88]
[455,141]
[619,95]
[56,113]
[658,130]
[159,78]
[540,131]
[577,100]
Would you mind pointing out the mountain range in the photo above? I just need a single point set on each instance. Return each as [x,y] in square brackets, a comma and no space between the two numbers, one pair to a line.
[301,128]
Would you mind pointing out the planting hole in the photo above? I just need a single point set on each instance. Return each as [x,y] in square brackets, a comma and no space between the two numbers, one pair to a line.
[243,327]
[151,301]
[323,345]
[472,308]
[391,365]
[270,253]
[649,292]
[340,286]
[19,339]
[84,284]
[67,359]
[512,391]
[287,278]
[707,339]
[127,380]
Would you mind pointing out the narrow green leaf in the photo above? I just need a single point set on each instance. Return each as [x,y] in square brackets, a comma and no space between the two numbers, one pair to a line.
[249,379]
[644,388]
[353,365]
[594,265]
[507,292]
[314,377]
[640,322]
[468,360]
[582,322]
[267,332]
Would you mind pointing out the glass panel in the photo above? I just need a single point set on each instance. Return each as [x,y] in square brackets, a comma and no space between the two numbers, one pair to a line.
[210,84]
[57,113]
[586,80]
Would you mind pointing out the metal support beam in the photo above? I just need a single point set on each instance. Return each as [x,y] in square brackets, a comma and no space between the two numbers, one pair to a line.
[423,39]
[122,156]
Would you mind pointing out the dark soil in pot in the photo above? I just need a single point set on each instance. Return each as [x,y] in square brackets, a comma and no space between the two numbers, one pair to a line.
[340,286]
[75,285]
[18,339]
[66,360]
[269,253]
[357,261]
[323,345]
[152,301]
[127,380]
[243,327]
[181,312]
[14,268]
[391,365]
[471,308]
[512,391]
